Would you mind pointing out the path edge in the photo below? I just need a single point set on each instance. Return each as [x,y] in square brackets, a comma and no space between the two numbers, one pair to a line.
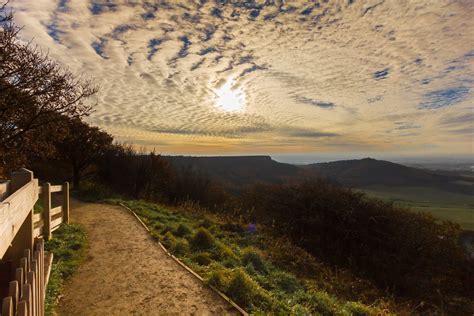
[225,297]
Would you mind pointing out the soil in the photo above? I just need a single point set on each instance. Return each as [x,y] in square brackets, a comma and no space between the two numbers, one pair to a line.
[126,272]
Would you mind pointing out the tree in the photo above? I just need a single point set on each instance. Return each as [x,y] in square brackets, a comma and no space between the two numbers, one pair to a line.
[82,146]
[35,91]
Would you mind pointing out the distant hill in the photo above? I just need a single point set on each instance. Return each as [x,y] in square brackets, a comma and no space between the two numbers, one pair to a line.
[368,172]
[238,171]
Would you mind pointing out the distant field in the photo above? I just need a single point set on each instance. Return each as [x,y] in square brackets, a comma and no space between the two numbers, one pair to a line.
[458,208]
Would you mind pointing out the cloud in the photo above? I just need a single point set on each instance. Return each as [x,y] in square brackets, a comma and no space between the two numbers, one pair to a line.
[311,134]
[161,61]
[321,104]
[406,125]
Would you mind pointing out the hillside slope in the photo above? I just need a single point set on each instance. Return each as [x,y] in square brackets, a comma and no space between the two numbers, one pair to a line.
[237,171]
[369,172]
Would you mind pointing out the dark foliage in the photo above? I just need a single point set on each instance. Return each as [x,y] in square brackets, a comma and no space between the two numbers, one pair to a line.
[410,254]
[149,176]
[36,95]
[81,146]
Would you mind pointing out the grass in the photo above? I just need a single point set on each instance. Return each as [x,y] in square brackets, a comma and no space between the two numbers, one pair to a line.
[67,245]
[458,208]
[239,263]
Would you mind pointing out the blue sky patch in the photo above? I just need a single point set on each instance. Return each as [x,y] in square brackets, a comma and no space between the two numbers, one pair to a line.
[382,74]
[444,97]
[153,46]
[98,46]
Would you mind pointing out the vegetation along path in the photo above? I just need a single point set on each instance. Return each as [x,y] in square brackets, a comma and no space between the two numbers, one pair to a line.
[126,272]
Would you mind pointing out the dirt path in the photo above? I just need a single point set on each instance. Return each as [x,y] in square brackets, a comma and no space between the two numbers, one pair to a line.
[126,272]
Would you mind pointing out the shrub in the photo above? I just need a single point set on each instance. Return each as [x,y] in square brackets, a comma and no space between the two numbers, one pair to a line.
[324,304]
[206,223]
[157,226]
[217,279]
[202,258]
[182,230]
[252,256]
[167,228]
[359,309]
[168,240]
[223,252]
[246,292]
[202,239]
[180,247]
[232,227]
[285,281]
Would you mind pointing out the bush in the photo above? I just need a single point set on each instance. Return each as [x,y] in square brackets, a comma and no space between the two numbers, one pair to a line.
[168,240]
[182,230]
[285,281]
[216,278]
[180,247]
[202,239]
[359,309]
[324,304]
[252,256]
[246,292]
[202,258]
[166,229]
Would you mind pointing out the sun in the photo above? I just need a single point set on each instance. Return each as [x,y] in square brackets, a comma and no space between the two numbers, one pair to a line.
[229,98]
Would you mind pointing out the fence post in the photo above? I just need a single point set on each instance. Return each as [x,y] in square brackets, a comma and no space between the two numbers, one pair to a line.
[24,238]
[66,202]
[47,210]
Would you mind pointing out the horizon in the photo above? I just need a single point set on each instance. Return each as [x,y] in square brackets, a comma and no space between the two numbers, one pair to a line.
[295,80]
[303,159]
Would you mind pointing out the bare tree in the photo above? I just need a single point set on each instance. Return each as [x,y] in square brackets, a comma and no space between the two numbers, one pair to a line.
[35,90]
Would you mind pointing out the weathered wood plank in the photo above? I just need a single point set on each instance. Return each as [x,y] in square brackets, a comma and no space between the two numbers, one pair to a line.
[13,212]
[36,218]
[38,231]
[22,308]
[48,263]
[13,291]
[19,277]
[56,188]
[46,211]
[55,223]
[26,296]
[66,202]
[7,306]
[31,282]
[4,189]
[55,211]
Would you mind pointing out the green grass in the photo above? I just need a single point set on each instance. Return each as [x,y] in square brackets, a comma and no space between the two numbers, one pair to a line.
[458,208]
[67,245]
[233,260]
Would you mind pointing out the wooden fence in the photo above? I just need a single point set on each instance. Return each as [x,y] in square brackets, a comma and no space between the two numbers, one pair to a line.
[24,265]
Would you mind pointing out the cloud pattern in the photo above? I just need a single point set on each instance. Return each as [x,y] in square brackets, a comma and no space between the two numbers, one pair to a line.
[316,75]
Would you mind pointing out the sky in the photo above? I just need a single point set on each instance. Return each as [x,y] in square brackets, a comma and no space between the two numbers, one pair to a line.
[287,78]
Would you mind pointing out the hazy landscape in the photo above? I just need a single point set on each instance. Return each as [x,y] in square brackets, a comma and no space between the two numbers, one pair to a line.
[236,157]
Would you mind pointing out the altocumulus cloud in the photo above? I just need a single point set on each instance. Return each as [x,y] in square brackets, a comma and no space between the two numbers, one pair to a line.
[160,62]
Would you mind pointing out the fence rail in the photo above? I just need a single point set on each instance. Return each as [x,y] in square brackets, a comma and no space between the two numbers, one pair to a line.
[24,265]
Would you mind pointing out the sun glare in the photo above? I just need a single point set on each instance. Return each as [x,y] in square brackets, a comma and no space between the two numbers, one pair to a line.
[230,99]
